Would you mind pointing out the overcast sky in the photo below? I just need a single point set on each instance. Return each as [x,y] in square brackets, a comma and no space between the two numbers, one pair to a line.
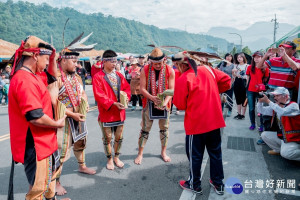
[192,15]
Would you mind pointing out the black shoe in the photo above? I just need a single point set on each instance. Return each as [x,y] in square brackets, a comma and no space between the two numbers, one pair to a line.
[241,117]
[186,186]
[218,189]
[237,116]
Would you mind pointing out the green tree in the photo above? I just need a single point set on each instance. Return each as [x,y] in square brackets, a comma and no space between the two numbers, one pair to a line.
[234,51]
[20,19]
[246,50]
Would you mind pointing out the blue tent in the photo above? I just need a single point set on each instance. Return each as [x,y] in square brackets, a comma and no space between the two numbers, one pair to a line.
[85,59]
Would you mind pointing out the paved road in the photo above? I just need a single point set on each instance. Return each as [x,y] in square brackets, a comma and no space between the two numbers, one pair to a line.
[155,179]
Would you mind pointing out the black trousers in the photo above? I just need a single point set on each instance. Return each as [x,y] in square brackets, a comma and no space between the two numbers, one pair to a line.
[195,146]
[136,98]
[30,158]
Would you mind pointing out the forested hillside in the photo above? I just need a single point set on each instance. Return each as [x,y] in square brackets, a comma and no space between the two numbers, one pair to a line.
[18,20]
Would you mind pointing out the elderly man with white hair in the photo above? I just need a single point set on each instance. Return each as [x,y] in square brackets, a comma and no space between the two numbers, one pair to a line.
[281,108]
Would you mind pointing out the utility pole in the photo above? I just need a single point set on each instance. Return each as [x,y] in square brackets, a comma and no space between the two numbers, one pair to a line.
[240,38]
[275,28]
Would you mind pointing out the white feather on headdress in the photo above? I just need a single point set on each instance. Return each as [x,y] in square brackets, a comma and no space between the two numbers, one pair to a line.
[77,44]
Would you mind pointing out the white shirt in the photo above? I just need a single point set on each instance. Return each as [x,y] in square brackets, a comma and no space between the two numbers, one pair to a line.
[268,110]
[241,69]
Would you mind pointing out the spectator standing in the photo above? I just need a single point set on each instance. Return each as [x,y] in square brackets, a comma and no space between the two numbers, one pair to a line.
[239,86]
[81,71]
[2,83]
[177,74]
[96,67]
[283,69]
[255,79]
[120,69]
[135,73]
[227,67]
[7,72]
[141,61]
[5,91]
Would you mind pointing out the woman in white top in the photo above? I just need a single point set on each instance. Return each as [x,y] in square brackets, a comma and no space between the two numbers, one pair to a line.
[239,87]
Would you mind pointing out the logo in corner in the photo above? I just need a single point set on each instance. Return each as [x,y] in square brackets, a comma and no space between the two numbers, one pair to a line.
[233,186]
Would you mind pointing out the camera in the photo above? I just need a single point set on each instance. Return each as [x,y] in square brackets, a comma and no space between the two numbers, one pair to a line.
[261,94]
[242,73]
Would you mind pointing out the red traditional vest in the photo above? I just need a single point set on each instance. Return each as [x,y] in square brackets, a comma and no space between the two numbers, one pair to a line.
[291,128]
[163,82]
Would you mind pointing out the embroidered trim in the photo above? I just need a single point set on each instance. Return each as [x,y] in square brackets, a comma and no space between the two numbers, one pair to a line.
[69,89]
[68,57]
[110,59]
[161,87]
[113,124]
[156,61]
[45,52]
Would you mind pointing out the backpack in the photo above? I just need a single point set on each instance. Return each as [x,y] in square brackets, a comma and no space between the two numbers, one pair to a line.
[5,89]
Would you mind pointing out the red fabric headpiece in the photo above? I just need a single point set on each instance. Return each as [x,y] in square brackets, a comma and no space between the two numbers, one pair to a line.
[19,53]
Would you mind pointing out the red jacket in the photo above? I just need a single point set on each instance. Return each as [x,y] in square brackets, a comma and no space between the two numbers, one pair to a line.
[199,97]
[28,92]
[105,98]
[95,70]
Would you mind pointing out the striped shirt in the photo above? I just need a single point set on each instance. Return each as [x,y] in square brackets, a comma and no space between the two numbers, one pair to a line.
[281,75]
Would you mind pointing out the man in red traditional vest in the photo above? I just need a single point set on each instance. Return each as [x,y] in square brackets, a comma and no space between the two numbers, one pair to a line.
[72,95]
[197,92]
[32,128]
[155,79]
[108,85]
[282,108]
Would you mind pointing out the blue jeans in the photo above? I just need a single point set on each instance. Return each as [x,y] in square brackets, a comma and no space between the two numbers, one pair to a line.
[195,146]
[6,98]
[1,96]
[252,97]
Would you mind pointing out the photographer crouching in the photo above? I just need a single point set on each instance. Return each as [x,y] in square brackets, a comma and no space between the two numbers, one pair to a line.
[283,107]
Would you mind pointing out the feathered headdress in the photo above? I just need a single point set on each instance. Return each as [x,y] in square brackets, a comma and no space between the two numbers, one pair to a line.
[194,58]
[76,46]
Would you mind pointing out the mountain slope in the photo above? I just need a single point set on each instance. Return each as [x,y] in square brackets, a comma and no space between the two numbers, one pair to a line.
[18,20]
[257,36]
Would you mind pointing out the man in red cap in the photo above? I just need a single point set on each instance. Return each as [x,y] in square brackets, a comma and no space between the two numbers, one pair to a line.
[283,69]
[32,128]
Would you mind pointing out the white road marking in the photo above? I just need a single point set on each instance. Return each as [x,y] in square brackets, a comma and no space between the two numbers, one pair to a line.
[188,195]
